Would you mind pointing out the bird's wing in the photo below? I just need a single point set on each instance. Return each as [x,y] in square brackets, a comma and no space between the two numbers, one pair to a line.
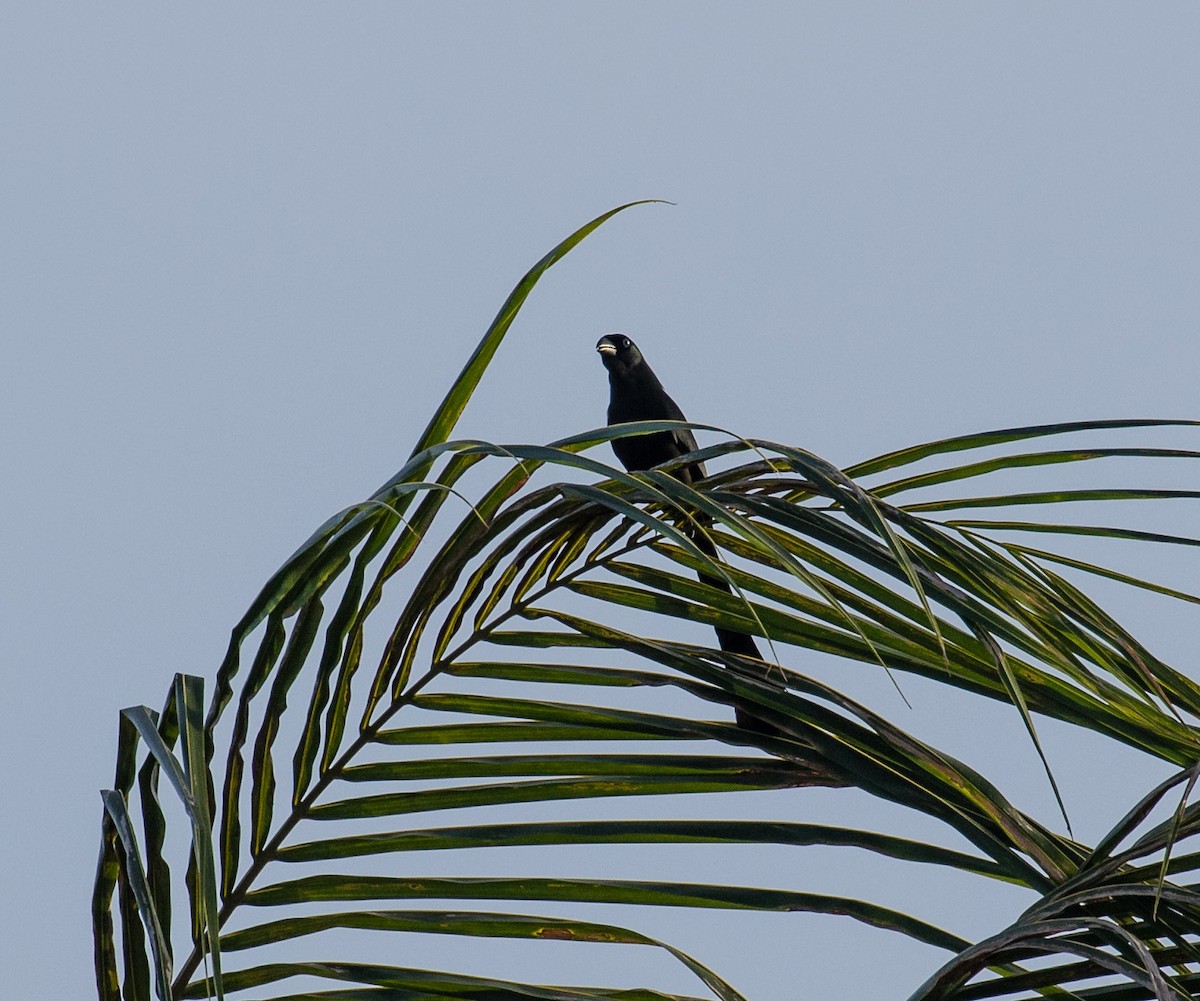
[681,438]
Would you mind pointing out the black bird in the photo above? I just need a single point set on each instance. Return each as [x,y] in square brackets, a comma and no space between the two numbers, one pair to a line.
[635,394]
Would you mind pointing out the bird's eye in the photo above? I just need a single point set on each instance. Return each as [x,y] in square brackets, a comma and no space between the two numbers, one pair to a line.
[625,343]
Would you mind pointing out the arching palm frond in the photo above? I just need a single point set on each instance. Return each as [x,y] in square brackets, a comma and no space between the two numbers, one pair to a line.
[548,643]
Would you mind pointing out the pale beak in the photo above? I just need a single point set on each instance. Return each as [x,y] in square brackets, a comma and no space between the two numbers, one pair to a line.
[606,348]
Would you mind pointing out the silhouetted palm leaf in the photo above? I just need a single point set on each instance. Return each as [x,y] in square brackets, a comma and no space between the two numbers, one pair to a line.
[522,597]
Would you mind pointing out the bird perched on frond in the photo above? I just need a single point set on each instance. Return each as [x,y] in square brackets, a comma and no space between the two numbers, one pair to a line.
[635,394]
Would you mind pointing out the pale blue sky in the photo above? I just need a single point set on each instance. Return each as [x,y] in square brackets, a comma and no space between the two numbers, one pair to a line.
[246,248]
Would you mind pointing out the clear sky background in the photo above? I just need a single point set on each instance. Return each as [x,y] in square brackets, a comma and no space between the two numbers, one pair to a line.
[247,247]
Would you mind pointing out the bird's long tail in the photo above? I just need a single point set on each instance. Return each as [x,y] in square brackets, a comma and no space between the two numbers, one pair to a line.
[731,641]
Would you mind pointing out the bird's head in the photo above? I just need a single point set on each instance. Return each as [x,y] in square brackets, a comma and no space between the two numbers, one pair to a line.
[619,354]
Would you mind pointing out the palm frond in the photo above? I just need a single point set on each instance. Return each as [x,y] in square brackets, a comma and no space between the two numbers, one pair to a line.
[539,603]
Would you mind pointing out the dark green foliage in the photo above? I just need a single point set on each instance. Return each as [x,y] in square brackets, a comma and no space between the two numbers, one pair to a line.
[535,583]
